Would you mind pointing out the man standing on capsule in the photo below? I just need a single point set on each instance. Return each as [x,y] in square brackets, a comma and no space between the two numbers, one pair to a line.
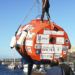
[45,9]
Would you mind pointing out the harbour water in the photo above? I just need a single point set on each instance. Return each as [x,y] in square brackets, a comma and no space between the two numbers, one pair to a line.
[5,71]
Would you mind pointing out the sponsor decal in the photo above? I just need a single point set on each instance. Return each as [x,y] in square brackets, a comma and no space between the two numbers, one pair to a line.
[28,27]
[47,31]
[42,38]
[47,48]
[57,55]
[22,37]
[29,43]
[25,27]
[57,32]
[37,46]
[59,40]
[57,48]
[46,56]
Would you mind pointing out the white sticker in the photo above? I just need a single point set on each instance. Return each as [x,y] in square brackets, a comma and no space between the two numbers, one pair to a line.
[46,56]
[42,38]
[58,48]
[37,46]
[56,55]
[60,32]
[29,43]
[28,27]
[57,32]
[47,48]
[25,27]
[60,40]
[47,31]
[22,37]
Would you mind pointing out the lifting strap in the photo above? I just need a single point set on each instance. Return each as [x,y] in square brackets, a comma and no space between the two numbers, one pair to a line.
[27,14]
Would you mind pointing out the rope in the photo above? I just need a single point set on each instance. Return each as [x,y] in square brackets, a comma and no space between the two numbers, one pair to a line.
[38,6]
[33,6]
[27,14]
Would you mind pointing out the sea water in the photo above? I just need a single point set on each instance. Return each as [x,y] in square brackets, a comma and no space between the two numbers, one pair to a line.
[5,71]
